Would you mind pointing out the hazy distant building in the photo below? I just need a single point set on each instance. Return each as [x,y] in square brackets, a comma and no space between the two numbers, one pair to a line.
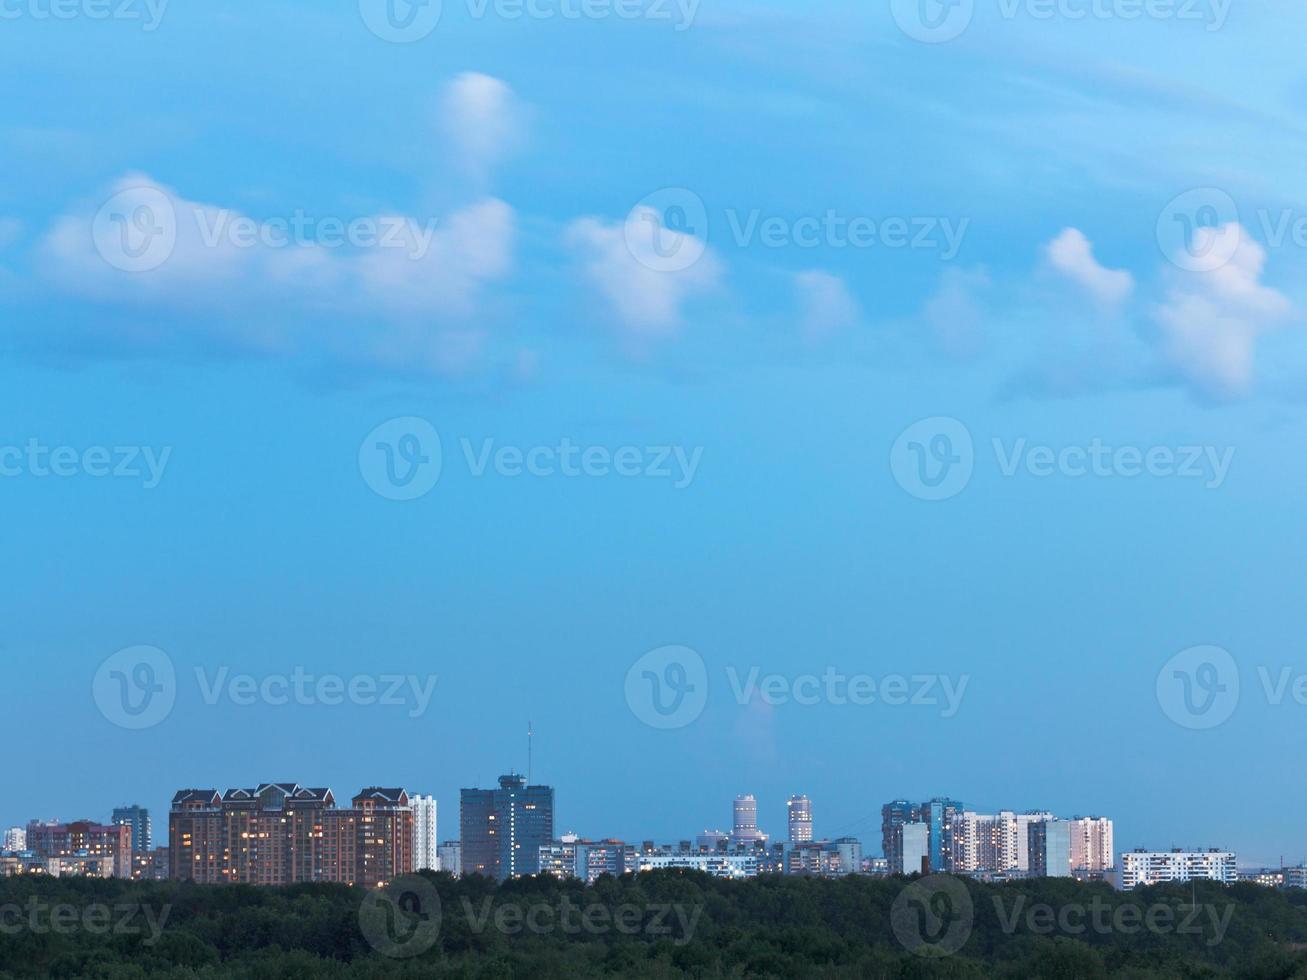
[712,840]
[450,854]
[1049,844]
[938,816]
[892,816]
[85,841]
[910,849]
[502,830]
[799,811]
[15,840]
[745,825]
[740,865]
[1143,867]
[586,860]
[425,853]
[138,818]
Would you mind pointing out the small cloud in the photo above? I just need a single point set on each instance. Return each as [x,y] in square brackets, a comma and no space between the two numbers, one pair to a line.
[825,305]
[954,315]
[482,119]
[628,265]
[1210,321]
[1072,254]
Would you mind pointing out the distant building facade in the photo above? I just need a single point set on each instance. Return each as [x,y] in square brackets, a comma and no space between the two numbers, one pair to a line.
[450,854]
[15,840]
[138,818]
[586,860]
[1143,867]
[85,841]
[426,855]
[744,827]
[1049,844]
[799,812]
[502,830]
[283,833]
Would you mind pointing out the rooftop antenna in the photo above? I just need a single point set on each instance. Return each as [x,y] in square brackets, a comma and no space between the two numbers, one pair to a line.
[530,732]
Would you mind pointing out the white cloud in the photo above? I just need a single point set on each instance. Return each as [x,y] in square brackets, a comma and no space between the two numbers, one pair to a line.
[1210,321]
[482,119]
[153,248]
[825,305]
[953,313]
[643,271]
[1072,254]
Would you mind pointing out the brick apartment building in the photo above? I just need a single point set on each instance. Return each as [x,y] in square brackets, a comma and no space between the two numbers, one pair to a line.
[83,839]
[281,833]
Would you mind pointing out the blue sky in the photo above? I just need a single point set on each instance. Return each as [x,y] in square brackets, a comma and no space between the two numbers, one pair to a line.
[535,288]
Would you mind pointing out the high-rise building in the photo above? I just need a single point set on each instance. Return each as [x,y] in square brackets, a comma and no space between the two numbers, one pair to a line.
[938,816]
[1142,867]
[892,816]
[109,846]
[910,849]
[425,854]
[799,810]
[502,830]
[745,824]
[15,839]
[1049,846]
[451,857]
[281,833]
[138,818]
[586,860]
[1092,850]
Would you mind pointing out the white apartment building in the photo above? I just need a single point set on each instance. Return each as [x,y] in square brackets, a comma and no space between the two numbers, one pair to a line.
[1091,844]
[426,856]
[994,842]
[1141,867]
[717,865]
[15,839]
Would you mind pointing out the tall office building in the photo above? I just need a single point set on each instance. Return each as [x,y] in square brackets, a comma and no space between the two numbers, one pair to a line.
[910,849]
[745,825]
[450,854]
[800,819]
[1092,851]
[502,830]
[1141,867]
[84,839]
[283,833]
[1049,848]
[138,818]
[15,839]
[938,816]
[892,816]
[425,854]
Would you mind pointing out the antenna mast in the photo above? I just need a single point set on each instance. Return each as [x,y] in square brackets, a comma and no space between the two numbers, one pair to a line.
[529,733]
